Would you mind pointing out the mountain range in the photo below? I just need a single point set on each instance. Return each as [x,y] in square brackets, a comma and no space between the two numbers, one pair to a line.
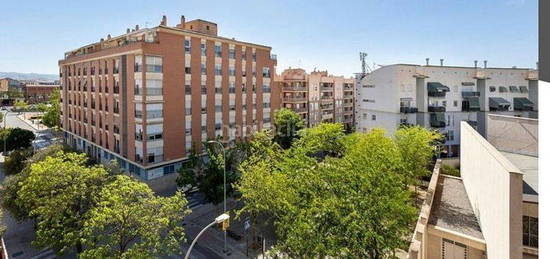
[29,76]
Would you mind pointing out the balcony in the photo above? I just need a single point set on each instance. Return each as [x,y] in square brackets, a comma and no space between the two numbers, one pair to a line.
[295,88]
[294,99]
[434,108]
[349,104]
[327,107]
[470,94]
[299,110]
[327,116]
[437,120]
[436,89]
[327,89]
[408,109]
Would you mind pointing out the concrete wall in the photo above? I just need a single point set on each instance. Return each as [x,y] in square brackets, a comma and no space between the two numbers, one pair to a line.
[494,187]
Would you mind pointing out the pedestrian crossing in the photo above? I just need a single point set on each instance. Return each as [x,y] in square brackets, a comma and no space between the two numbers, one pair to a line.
[194,204]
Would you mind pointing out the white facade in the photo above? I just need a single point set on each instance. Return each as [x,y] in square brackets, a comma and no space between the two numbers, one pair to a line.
[383,92]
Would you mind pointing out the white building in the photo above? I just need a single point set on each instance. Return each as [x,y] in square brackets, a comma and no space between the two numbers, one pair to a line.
[440,97]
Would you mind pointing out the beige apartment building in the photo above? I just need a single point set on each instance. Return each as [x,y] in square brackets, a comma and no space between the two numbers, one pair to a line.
[150,96]
[491,210]
[317,96]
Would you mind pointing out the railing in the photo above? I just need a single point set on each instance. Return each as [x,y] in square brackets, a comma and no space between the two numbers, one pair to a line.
[327,88]
[299,110]
[470,94]
[436,108]
[408,109]
[295,88]
[294,99]
[350,104]
[326,97]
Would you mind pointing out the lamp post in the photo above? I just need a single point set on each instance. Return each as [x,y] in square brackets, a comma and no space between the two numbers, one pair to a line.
[224,190]
[220,219]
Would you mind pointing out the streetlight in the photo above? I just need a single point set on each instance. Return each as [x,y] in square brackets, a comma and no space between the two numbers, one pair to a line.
[224,218]
[224,191]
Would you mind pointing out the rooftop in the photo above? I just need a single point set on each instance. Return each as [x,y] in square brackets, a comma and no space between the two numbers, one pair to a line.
[451,208]
[530,169]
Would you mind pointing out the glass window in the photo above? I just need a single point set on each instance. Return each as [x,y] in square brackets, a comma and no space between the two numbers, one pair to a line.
[492,88]
[218,69]
[218,49]
[530,231]
[138,65]
[266,73]
[153,64]
[203,49]
[203,69]
[187,47]
[232,53]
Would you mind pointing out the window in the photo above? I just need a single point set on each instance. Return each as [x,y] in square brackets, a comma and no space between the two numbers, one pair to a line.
[492,89]
[203,49]
[502,89]
[231,71]
[265,72]
[218,90]
[455,103]
[444,103]
[218,49]
[523,89]
[188,70]
[530,231]
[187,89]
[373,117]
[203,69]
[231,53]
[153,64]
[138,64]
[187,47]
[266,89]
[218,69]
[203,89]
[514,89]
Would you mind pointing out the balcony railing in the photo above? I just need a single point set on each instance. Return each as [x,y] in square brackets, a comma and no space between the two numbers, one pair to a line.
[408,109]
[294,99]
[436,108]
[470,94]
[295,88]
[350,104]
[300,110]
[327,88]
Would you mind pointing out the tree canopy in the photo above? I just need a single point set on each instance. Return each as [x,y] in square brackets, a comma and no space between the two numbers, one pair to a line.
[287,124]
[353,201]
[52,116]
[131,222]
[16,138]
[59,192]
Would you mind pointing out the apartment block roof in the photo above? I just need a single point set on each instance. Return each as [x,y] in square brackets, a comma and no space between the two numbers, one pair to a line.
[451,208]
[530,168]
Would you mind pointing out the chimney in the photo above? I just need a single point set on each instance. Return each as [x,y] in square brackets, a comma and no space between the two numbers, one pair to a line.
[475,63]
[127,30]
[163,21]
[427,61]
[108,36]
[182,22]
[484,63]
[441,61]
[137,27]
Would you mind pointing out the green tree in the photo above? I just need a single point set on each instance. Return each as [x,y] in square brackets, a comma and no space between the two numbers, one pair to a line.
[1,117]
[52,116]
[2,226]
[190,171]
[16,138]
[417,146]
[12,184]
[287,124]
[354,205]
[21,105]
[322,140]
[131,222]
[42,107]
[15,162]
[59,192]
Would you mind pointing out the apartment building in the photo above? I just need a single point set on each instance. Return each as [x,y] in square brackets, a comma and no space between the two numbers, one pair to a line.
[440,97]
[317,96]
[147,98]
[39,92]
[491,210]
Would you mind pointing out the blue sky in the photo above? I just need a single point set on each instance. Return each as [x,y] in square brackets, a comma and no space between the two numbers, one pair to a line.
[322,34]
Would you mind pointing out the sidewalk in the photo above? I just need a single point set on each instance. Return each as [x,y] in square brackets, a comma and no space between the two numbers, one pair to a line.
[36,126]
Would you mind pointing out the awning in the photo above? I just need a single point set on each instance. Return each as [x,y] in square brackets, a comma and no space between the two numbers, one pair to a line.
[522,104]
[473,102]
[437,87]
[497,102]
